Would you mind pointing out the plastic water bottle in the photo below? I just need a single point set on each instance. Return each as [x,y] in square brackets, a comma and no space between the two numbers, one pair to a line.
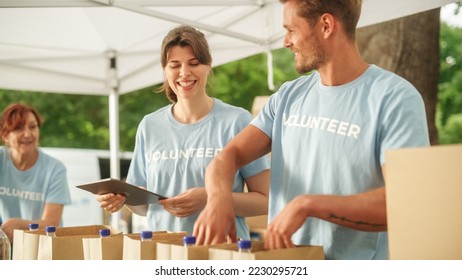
[244,246]
[254,236]
[189,240]
[5,246]
[51,231]
[105,232]
[146,236]
[33,227]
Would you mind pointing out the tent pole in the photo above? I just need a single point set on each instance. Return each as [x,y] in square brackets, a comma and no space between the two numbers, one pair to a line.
[113,85]
[114,145]
[114,134]
[114,149]
[269,65]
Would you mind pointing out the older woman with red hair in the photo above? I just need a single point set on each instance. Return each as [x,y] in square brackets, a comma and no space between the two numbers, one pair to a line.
[33,185]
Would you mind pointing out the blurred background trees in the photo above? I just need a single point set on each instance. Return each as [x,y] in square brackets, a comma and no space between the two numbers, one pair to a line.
[81,121]
[409,47]
[449,107]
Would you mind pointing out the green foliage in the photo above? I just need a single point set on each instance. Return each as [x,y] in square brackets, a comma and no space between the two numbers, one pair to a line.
[82,121]
[238,82]
[70,120]
[133,107]
[452,132]
[450,85]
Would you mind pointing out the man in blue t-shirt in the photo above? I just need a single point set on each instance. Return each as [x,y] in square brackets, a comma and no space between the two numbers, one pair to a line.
[328,133]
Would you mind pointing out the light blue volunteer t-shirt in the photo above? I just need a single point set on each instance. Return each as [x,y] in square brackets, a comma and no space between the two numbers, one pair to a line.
[332,140]
[170,158]
[23,194]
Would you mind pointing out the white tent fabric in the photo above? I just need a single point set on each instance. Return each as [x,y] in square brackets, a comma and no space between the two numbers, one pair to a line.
[64,45]
[112,47]
[69,45]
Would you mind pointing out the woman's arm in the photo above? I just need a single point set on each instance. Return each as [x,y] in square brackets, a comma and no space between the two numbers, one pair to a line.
[255,201]
[51,216]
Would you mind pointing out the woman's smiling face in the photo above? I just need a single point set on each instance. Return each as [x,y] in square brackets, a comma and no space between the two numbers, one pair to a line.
[185,75]
[24,139]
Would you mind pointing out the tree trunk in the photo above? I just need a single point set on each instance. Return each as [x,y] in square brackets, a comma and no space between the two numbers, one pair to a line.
[408,47]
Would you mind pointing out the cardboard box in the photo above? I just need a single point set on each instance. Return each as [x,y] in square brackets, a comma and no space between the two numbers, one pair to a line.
[424,191]
[258,103]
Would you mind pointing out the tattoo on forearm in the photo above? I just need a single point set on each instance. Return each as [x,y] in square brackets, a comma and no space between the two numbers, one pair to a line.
[359,223]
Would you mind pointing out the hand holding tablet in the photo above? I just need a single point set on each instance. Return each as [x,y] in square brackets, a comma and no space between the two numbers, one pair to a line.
[134,195]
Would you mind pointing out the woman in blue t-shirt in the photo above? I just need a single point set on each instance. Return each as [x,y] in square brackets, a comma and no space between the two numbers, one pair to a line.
[33,185]
[175,144]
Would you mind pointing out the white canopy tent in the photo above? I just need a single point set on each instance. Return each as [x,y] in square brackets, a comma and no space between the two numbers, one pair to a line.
[113,47]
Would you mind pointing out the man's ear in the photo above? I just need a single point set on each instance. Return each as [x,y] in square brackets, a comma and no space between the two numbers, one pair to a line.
[327,23]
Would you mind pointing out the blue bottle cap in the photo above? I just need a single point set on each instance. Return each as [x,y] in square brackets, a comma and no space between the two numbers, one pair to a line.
[244,244]
[104,232]
[146,234]
[189,240]
[33,226]
[50,229]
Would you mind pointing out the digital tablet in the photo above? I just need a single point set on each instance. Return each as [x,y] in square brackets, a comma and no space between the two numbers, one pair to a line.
[134,195]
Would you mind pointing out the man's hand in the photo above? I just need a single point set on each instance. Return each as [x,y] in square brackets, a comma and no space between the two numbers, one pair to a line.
[281,229]
[216,224]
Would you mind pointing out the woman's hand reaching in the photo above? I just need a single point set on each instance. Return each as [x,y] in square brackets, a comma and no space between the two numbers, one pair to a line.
[186,203]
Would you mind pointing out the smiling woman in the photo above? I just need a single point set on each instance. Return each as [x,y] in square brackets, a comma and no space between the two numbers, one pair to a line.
[21,134]
[33,184]
[175,144]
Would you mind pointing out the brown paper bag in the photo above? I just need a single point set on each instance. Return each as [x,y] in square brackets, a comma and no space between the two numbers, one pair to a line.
[175,250]
[223,251]
[25,245]
[257,227]
[67,245]
[298,253]
[107,248]
[134,249]
[258,252]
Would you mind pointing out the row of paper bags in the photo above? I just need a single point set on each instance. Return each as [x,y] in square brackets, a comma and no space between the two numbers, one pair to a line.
[84,243]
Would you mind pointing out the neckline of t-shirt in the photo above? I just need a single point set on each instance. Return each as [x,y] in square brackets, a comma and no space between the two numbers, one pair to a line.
[174,122]
[334,90]
[30,170]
